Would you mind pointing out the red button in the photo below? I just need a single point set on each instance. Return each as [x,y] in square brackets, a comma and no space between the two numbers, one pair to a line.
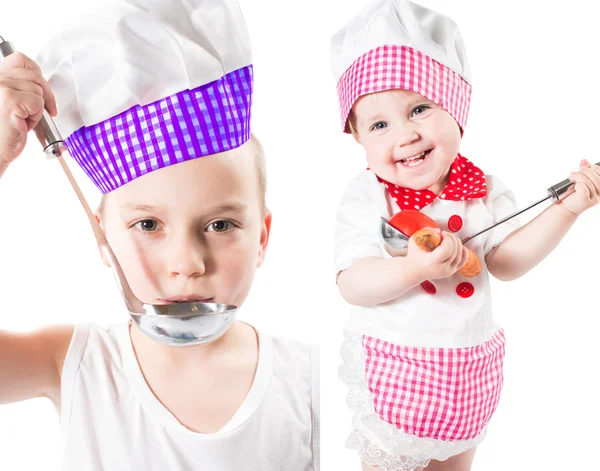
[429,287]
[455,223]
[465,290]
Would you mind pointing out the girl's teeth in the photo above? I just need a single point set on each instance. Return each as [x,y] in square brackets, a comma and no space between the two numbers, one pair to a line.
[413,164]
[414,161]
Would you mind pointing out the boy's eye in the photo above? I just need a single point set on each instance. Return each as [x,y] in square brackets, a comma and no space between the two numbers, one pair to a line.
[419,110]
[147,225]
[220,226]
[379,125]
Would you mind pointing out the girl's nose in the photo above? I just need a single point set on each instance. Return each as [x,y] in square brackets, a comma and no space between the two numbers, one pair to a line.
[406,135]
[186,257]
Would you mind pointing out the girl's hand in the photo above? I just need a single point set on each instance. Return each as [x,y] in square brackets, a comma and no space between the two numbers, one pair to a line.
[23,94]
[449,257]
[586,191]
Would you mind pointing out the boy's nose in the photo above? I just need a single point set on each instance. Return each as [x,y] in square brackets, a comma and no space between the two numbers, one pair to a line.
[186,258]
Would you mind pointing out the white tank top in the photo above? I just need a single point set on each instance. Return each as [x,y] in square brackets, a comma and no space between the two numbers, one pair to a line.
[111,420]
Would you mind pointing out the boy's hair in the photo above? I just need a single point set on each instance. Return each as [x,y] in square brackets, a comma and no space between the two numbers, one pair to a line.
[258,154]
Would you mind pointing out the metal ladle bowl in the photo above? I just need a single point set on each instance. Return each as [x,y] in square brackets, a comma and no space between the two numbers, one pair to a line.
[177,324]
[206,323]
[392,236]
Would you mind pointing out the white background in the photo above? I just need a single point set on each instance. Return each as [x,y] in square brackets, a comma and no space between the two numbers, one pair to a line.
[534,114]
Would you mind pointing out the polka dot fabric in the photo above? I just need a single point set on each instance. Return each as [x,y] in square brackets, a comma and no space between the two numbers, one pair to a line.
[466,182]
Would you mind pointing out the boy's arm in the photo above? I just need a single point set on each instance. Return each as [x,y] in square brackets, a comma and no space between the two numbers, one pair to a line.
[31,363]
[527,246]
[3,168]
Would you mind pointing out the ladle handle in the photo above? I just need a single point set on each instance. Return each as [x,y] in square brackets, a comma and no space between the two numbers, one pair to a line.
[54,146]
[556,191]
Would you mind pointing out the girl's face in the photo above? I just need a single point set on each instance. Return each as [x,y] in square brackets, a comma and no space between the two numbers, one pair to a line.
[195,231]
[409,140]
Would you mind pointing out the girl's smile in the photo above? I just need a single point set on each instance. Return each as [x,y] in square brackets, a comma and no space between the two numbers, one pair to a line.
[409,140]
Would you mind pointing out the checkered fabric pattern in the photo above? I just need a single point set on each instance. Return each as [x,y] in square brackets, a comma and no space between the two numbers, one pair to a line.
[440,393]
[400,67]
[212,118]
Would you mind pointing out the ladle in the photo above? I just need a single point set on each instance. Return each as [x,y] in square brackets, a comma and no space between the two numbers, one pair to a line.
[174,324]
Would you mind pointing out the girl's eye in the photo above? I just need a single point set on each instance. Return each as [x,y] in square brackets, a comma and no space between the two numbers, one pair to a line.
[419,110]
[379,125]
[220,226]
[147,225]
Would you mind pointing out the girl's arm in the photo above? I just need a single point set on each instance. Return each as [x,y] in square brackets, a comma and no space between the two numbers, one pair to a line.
[373,280]
[527,246]
[31,363]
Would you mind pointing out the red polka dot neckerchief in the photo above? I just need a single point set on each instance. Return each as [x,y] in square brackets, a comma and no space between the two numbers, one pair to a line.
[466,182]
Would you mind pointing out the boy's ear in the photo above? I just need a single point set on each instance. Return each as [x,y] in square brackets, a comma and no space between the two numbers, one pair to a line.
[264,238]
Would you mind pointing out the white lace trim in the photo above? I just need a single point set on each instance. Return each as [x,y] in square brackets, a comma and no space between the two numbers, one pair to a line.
[378,442]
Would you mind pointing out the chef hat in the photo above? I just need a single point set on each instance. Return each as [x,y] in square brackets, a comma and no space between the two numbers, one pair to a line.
[397,44]
[145,84]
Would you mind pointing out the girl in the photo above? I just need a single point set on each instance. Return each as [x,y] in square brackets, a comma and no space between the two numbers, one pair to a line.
[143,91]
[423,355]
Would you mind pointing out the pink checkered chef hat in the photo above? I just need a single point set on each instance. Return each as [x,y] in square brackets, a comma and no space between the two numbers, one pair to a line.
[397,44]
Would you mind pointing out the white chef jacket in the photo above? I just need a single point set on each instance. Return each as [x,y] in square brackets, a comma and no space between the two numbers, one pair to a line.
[418,318]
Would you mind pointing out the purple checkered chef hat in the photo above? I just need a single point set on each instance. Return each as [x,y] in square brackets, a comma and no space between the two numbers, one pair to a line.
[146,84]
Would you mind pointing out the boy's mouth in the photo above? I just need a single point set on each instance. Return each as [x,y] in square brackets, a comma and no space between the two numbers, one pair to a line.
[415,160]
[187,299]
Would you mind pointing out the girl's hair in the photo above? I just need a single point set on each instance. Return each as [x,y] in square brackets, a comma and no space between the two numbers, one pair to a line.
[258,154]
[351,122]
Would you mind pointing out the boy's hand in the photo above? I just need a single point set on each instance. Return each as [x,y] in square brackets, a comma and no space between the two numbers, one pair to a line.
[449,257]
[586,191]
[23,94]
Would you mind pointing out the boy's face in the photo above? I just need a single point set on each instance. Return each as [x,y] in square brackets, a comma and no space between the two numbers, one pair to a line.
[409,140]
[194,231]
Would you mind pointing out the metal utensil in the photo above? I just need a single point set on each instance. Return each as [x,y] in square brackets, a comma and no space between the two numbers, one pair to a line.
[399,241]
[170,324]
[392,236]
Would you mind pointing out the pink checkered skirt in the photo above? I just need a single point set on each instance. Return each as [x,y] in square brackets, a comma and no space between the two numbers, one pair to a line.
[439,393]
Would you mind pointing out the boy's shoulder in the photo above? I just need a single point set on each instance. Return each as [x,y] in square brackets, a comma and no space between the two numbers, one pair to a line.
[289,354]
[292,346]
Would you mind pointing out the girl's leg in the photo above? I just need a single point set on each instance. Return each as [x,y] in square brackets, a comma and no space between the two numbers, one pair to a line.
[460,462]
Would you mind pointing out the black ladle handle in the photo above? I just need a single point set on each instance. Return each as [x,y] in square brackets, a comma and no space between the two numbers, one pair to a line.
[556,191]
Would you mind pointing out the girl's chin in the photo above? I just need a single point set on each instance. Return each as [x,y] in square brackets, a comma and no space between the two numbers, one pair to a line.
[418,184]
